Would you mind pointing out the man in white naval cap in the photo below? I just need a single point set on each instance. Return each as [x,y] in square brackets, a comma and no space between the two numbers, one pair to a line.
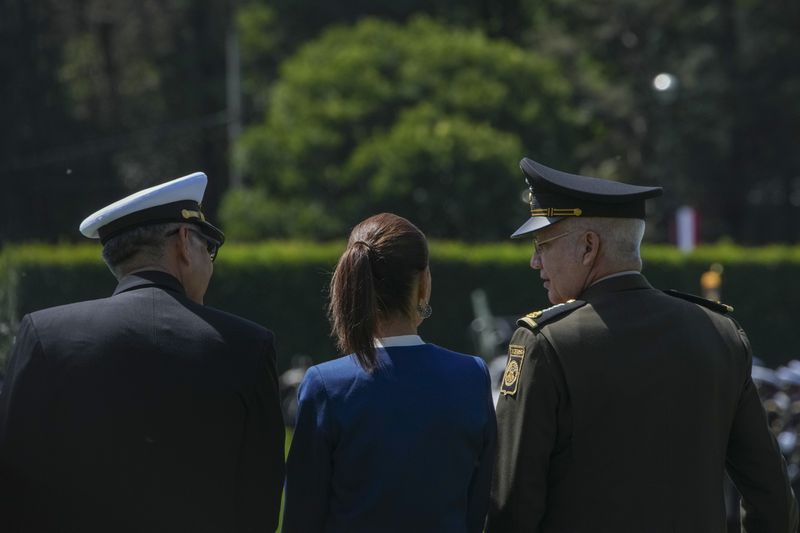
[145,411]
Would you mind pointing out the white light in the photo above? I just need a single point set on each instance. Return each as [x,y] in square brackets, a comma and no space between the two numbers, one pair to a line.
[664,82]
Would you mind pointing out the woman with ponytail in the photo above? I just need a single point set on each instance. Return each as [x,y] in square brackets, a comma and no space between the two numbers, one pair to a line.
[397,435]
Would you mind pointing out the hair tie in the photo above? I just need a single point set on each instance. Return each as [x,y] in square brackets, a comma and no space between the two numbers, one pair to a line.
[367,245]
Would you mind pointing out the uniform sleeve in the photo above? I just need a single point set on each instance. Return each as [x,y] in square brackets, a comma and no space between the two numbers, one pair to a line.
[23,418]
[756,467]
[527,422]
[308,478]
[478,503]
[261,463]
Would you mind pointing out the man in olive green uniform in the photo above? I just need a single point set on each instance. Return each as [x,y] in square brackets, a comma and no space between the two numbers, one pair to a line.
[623,406]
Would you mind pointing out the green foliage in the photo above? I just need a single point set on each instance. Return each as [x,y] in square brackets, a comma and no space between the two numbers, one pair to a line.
[260,36]
[100,99]
[103,98]
[441,164]
[283,285]
[8,305]
[424,120]
[251,213]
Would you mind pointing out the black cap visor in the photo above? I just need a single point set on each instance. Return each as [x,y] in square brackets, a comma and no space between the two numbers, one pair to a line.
[533,225]
[210,230]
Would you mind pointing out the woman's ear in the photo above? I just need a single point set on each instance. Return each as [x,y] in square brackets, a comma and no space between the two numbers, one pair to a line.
[424,285]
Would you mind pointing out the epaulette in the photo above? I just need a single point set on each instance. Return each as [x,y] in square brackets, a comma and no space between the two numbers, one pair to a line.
[719,307]
[538,318]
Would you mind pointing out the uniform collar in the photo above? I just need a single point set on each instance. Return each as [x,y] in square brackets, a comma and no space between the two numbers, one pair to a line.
[626,282]
[400,340]
[616,275]
[149,278]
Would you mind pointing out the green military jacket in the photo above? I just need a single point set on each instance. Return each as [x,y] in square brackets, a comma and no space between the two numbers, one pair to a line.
[623,410]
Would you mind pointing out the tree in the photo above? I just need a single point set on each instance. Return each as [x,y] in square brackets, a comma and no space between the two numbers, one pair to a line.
[104,98]
[422,119]
[272,30]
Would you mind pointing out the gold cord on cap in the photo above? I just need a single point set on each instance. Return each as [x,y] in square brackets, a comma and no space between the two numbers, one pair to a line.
[556,212]
[186,213]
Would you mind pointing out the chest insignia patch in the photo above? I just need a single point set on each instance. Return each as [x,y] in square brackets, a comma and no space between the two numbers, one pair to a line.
[516,356]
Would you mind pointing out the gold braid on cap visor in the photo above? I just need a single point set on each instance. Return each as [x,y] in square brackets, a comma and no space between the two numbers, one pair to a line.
[556,212]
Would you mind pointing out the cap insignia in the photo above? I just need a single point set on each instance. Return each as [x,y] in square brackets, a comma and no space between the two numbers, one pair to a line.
[186,213]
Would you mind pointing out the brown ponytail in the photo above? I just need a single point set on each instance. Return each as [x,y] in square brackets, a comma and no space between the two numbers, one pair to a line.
[373,281]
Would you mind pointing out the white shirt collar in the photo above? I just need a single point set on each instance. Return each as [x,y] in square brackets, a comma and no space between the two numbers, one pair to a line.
[400,340]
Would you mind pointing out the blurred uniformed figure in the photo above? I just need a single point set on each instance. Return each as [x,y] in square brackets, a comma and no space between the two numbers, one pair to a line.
[774,399]
[623,406]
[145,411]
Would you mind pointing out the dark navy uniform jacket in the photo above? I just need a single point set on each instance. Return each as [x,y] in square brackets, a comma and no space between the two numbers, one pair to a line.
[622,413]
[407,448]
[142,412]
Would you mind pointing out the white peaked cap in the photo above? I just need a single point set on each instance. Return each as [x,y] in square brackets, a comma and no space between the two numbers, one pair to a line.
[178,200]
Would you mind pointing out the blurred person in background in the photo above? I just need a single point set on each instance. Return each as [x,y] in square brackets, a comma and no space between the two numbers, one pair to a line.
[775,401]
[614,350]
[145,411]
[399,435]
[780,391]
[289,383]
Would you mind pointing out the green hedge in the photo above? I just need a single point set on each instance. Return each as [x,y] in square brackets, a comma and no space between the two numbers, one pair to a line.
[283,286]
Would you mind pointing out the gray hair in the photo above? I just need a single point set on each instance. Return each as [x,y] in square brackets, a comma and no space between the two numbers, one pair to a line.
[621,238]
[136,248]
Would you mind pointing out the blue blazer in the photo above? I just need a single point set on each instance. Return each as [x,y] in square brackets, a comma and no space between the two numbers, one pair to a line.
[409,447]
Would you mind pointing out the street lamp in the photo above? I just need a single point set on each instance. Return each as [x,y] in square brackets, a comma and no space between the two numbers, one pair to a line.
[665,82]
[666,92]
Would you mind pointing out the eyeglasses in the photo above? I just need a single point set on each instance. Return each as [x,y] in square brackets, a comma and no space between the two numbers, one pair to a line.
[538,245]
[212,245]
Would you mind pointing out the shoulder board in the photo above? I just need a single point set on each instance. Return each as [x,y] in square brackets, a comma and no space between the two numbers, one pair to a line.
[539,318]
[719,307]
